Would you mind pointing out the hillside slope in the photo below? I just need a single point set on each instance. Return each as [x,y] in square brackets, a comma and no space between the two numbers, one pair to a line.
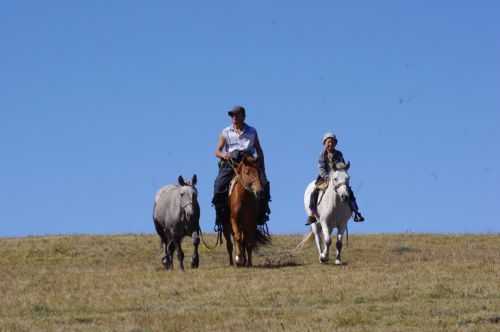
[402,282]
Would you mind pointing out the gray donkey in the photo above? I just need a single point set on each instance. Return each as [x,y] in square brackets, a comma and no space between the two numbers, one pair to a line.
[177,214]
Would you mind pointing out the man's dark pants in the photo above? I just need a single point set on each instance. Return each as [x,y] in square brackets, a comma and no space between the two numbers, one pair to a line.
[221,187]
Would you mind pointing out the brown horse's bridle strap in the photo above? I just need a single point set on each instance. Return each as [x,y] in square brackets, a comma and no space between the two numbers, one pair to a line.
[238,176]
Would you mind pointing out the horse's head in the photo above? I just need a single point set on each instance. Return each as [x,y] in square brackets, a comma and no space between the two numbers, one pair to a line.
[189,198]
[249,175]
[339,180]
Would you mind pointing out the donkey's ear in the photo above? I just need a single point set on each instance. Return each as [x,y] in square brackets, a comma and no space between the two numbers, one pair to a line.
[194,180]
[181,181]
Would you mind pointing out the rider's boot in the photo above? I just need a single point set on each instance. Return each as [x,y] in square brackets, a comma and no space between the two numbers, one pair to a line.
[221,210]
[313,203]
[358,217]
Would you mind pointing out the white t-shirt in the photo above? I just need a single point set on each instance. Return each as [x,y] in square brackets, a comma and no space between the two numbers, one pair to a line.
[242,142]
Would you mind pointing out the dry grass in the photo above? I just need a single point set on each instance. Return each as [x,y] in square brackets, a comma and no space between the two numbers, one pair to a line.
[405,282]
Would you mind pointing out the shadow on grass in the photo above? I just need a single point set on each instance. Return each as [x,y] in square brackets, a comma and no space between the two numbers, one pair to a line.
[277,262]
[403,249]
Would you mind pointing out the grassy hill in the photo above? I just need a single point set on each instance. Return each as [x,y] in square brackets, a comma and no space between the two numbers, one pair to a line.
[403,282]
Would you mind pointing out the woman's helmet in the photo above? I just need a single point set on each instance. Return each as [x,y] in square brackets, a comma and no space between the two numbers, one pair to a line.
[329,135]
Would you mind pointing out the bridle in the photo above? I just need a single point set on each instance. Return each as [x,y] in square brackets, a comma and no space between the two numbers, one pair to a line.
[239,177]
[338,185]
[183,207]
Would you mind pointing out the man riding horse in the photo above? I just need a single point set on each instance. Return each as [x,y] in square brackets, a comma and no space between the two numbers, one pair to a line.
[327,159]
[234,142]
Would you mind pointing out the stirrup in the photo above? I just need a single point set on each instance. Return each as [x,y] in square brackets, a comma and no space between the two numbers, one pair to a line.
[217,228]
[310,220]
[358,217]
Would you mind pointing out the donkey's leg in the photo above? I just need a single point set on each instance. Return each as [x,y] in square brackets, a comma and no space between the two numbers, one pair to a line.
[195,260]
[328,241]
[180,253]
[226,230]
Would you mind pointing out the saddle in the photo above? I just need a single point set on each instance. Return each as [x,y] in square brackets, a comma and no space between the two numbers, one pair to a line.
[321,184]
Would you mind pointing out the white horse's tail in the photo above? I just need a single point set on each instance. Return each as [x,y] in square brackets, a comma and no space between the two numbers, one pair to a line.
[308,237]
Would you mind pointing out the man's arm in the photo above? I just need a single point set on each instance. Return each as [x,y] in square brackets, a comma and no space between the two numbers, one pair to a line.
[220,145]
[322,166]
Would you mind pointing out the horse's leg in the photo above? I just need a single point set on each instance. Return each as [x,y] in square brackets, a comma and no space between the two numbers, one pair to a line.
[338,245]
[169,255]
[226,230]
[327,241]
[249,245]
[316,228]
[237,236]
[243,248]
[180,253]
[195,260]
[164,246]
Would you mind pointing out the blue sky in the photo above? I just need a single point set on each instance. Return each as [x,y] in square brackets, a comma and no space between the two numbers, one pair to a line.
[102,103]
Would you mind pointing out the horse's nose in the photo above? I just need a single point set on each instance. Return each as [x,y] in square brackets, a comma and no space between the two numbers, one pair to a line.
[189,211]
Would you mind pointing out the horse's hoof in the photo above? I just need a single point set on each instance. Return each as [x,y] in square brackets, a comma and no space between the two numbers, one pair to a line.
[239,261]
[323,260]
[166,263]
[338,262]
[195,262]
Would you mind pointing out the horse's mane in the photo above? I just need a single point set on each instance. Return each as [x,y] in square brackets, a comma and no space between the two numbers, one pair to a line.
[342,166]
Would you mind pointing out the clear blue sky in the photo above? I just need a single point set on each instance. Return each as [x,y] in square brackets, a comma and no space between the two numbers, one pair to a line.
[103,102]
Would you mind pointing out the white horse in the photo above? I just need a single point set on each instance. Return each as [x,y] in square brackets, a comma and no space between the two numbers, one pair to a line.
[333,210]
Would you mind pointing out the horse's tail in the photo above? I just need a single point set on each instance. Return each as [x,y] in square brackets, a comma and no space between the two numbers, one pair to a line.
[308,237]
[262,237]
[157,227]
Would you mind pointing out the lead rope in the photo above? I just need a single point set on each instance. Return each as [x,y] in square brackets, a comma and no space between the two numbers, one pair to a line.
[217,243]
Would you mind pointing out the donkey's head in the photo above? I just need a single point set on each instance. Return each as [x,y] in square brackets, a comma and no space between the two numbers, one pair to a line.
[189,198]
[339,180]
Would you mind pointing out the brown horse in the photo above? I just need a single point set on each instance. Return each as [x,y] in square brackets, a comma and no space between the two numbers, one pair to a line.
[244,205]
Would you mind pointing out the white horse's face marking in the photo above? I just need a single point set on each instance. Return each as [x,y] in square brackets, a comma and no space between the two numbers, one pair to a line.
[340,182]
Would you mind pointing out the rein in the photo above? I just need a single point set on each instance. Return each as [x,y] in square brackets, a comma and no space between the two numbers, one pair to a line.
[338,185]
[217,243]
